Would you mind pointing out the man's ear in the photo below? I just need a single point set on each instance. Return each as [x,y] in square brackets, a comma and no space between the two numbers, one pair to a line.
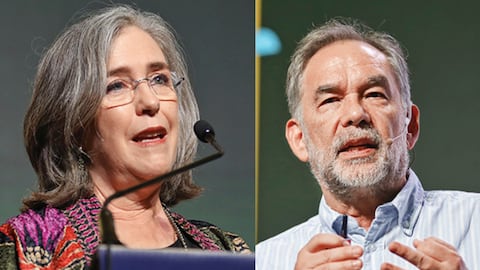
[296,140]
[413,127]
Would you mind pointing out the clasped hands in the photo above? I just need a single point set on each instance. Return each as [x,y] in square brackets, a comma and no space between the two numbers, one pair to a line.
[330,251]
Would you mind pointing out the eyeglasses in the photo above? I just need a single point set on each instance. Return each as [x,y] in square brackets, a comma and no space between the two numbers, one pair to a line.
[122,91]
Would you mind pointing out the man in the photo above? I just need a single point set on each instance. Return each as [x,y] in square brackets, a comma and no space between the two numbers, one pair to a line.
[353,121]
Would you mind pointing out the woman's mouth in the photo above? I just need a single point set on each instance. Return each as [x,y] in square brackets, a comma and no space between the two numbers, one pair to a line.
[149,135]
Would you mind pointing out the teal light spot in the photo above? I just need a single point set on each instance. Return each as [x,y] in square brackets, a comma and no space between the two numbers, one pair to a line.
[267,42]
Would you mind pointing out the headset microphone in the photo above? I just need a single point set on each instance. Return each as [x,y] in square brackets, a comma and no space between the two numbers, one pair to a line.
[390,141]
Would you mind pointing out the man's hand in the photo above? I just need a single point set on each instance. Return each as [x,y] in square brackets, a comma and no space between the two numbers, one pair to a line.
[329,251]
[431,253]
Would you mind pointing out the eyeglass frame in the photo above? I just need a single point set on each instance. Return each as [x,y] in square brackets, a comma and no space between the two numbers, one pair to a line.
[176,81]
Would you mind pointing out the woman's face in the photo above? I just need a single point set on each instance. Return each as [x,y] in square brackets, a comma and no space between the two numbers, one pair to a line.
[135,141]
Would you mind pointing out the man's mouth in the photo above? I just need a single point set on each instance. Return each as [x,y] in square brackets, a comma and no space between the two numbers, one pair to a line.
[358,145]
[150,134]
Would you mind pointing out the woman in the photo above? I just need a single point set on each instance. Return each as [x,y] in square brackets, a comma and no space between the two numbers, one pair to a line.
[112,107]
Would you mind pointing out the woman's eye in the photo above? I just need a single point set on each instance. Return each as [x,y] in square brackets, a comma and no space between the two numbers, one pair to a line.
[159,79]
[116,86]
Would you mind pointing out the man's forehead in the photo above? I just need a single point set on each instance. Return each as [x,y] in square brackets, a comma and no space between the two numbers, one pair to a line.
[349,53]
[345,64]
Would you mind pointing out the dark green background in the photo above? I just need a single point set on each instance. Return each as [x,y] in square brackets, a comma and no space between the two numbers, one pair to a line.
[442,39]
[218,38]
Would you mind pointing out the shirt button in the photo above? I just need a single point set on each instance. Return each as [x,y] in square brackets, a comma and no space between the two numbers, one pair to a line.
[370,249]
[406,224]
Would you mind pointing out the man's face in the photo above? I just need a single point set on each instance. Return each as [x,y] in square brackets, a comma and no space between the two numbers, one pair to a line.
[352,109]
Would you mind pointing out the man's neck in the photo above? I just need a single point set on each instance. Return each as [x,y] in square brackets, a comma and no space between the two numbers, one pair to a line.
[363,203]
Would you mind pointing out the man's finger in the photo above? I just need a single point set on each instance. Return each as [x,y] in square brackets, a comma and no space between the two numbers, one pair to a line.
[324,241]
[328,250]
[439,242]
[336,258]
[440,251]
[417,258]
[389,266]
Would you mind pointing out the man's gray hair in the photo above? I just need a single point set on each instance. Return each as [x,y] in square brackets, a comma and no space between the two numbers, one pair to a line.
[338,30]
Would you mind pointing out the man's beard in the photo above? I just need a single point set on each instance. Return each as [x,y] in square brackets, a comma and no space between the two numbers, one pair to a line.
[376,174]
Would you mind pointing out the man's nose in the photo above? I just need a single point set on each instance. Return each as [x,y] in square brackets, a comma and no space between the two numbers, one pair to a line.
[353,111]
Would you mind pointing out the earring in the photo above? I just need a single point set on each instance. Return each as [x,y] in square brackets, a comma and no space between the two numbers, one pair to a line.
[83,155]
[82,159]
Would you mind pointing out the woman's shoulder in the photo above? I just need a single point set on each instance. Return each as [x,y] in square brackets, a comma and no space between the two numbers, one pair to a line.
[37,226]
[36,238]
[230,241]
[208,236]
[27,238]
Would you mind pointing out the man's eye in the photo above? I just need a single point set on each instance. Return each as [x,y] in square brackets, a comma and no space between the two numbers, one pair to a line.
[116,86]
[329,100]
[376,95]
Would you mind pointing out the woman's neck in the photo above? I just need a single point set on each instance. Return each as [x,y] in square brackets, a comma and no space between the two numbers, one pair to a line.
[139,218]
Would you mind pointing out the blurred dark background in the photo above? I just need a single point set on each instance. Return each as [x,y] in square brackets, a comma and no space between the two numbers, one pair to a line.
[218,38]
[442,39]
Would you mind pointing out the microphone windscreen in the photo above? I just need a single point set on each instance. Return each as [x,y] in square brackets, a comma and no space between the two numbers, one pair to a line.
[203,130]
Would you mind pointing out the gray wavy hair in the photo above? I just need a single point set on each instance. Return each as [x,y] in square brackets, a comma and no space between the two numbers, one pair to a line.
[67,93]
[336,30]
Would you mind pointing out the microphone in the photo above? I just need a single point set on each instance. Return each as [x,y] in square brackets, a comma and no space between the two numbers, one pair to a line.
[390,141]
[204,132]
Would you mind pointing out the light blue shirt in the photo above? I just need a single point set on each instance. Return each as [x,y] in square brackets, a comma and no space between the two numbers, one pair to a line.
[453,216]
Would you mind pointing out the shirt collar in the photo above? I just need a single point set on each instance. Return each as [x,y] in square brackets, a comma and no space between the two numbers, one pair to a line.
[408,204]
